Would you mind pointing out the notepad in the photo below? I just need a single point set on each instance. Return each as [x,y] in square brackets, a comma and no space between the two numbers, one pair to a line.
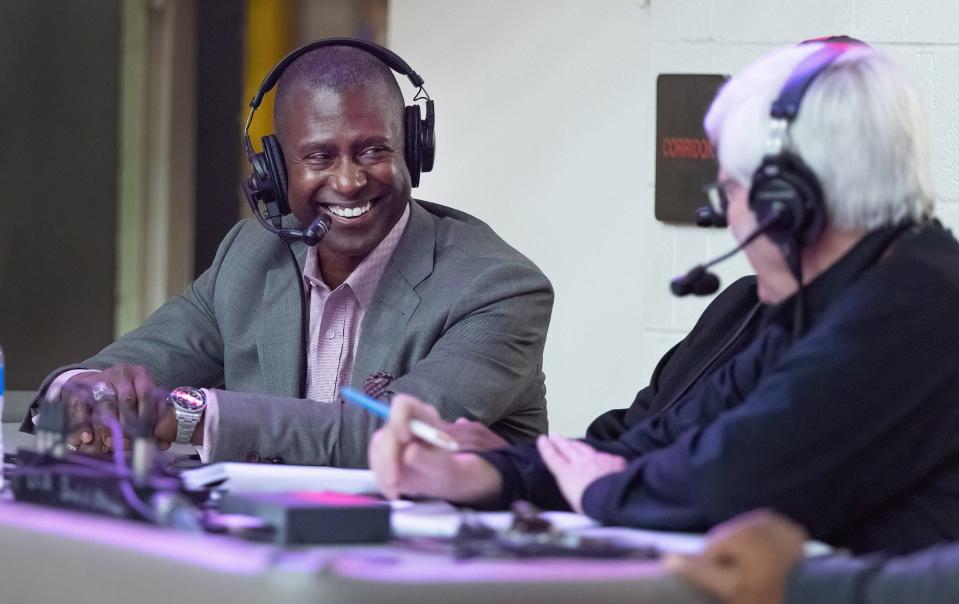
[236,477]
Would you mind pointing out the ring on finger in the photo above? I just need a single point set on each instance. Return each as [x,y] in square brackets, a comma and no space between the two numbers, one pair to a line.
[101,390]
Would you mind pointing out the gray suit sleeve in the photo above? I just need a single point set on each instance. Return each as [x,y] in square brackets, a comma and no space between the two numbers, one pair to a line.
[290,430]
[930,576]
[303,432]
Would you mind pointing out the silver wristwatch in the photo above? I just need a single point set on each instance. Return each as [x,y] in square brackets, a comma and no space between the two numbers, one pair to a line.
[188,404]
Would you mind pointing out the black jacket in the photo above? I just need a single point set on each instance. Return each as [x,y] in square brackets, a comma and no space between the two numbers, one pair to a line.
[728,325]
[852,429]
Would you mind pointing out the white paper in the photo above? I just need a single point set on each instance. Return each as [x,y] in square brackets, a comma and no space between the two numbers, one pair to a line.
[272,478]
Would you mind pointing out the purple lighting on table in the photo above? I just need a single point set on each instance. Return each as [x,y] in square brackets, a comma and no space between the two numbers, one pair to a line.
[220,554]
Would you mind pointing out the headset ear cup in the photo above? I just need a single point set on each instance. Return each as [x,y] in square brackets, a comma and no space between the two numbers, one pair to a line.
[771,193]
[428,138]
[811,197]
[412,151]
[276,165]
[260,178]
[784,184]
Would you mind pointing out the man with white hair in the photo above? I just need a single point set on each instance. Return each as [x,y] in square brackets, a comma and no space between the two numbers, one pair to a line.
[841,413]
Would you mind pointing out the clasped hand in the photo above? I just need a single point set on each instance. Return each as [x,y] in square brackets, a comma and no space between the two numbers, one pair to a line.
[576,465]
[127,394]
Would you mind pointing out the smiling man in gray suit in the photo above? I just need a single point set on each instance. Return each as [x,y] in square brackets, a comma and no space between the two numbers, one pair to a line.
[421,291]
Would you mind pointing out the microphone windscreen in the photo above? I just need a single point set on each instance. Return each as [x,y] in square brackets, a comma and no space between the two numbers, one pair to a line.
[697,281]
[706,216]
[317,230]
[706,284]
[683,285]
[679,286]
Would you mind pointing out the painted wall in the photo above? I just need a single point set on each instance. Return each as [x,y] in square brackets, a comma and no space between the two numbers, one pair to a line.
[546,130]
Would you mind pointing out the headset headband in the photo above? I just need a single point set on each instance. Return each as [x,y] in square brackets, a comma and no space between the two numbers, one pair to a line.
[393,60]
[787,105]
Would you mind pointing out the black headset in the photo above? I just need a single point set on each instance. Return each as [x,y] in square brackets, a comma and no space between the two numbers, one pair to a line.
[785,194]
[784,189]
[268,181]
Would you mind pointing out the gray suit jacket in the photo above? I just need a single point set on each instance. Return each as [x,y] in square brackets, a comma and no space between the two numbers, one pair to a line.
[459,315]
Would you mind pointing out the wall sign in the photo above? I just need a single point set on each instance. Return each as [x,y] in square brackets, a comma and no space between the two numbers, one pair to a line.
[685,161]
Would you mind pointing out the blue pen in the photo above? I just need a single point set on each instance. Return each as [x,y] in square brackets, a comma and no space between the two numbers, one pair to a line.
[419,428]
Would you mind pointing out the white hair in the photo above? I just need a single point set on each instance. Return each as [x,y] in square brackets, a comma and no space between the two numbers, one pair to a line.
[860,128]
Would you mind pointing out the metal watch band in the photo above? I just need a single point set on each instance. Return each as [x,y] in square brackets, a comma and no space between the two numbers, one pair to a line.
[185,426]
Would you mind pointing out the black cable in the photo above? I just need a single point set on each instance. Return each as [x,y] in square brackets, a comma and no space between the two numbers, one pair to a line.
[304,320]
[799,312]
[793,253]
[422,95]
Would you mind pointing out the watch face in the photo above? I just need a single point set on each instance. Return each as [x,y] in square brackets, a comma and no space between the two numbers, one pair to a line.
[188,399]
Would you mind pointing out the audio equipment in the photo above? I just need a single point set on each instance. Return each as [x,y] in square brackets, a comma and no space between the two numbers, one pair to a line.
[54,476]
[785,194]
[267,183]
[699,281]
[783,181]
[707,217]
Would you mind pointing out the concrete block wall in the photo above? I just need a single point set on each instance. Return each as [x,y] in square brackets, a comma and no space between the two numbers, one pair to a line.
[546,130]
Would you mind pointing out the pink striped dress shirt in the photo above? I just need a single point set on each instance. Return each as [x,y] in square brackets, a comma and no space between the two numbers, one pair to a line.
[336,317]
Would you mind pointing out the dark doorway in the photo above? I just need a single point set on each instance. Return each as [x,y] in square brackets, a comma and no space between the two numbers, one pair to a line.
[59,204]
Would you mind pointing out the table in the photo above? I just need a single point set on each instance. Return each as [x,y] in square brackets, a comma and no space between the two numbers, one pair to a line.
[49,555]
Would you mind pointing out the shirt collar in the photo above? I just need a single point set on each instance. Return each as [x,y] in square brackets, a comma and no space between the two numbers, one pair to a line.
[365,278]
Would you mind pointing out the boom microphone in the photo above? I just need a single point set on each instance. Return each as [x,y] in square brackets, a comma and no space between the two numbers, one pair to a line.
[311,236]
[701,282]
[316,231]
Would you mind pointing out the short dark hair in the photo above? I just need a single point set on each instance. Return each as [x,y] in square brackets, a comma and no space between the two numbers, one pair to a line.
[337,68]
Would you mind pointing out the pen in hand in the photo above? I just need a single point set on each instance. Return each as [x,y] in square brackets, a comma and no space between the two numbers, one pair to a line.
[419,428]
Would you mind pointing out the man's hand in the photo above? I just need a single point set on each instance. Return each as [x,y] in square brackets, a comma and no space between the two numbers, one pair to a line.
[576,465]
[473,436]
[746,560]
[405,465]
[119,392]
[165,431]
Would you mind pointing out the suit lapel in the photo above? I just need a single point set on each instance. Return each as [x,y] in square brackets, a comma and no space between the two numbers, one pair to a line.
[278,331]
[396,299]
